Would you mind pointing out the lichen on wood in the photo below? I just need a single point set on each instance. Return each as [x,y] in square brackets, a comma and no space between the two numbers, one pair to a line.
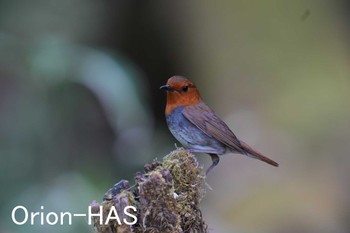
[166,195]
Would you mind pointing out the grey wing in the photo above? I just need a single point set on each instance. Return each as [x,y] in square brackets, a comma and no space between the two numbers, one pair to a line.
[206,120]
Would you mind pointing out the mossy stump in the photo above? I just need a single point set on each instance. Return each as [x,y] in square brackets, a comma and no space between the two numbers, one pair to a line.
[166,197]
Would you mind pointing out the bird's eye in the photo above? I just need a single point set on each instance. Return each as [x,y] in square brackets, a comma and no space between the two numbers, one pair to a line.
[185,88]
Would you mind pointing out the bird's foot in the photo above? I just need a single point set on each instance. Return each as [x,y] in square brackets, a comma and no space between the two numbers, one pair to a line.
[215,159]
[213,154]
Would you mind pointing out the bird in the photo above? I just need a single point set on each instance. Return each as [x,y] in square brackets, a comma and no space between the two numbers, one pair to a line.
[197,127]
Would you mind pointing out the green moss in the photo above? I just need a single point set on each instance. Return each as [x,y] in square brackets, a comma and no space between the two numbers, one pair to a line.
[158,205]
[166,196]
[189,183]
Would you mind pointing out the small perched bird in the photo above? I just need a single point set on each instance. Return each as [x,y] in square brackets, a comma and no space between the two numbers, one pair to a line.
[197,127]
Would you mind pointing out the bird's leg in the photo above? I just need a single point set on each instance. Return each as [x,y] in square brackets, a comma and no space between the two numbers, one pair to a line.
[213,154]
[203,151]
[215,158]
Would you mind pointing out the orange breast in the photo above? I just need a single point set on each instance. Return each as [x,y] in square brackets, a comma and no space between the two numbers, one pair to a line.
[176,99]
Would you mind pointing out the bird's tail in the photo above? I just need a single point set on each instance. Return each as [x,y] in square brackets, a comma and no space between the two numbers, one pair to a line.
[254,154]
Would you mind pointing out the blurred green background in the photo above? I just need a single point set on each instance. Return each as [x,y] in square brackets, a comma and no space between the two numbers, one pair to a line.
[80,105]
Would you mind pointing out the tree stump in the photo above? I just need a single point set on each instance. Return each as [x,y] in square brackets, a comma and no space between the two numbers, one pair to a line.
[165,198]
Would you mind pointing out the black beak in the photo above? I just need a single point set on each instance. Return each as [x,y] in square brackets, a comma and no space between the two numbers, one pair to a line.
[167,88]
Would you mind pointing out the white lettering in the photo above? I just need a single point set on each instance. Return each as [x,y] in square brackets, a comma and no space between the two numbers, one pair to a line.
[13,215]
[42,215]
[69,218]
[32,217]
[20,215]
[99,214]
[130,215]
[55,217]
[110,217]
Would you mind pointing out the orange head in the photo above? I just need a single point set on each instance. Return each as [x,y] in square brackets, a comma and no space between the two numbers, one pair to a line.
[180,92]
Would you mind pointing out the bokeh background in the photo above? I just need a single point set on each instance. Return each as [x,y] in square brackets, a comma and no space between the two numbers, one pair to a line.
[80,105]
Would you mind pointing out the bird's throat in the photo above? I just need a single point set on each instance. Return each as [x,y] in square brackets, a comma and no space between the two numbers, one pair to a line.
[176,99]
